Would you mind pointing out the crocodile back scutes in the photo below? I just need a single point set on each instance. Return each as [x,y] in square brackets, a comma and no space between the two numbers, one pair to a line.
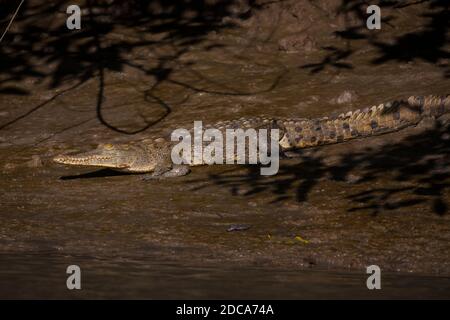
[384,118]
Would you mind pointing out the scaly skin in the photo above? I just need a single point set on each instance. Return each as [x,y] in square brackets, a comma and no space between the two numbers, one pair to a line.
[153,155]
[385,118]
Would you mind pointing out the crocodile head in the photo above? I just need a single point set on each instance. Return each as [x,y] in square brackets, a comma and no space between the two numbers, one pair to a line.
[122,157]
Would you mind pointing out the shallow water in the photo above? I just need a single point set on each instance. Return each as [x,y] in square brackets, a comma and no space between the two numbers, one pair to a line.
[43,276]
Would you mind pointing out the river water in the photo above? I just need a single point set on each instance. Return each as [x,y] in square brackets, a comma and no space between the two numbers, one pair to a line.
[44,276]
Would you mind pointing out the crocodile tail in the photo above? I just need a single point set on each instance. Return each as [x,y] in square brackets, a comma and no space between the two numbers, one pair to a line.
[431,105]
[385,118]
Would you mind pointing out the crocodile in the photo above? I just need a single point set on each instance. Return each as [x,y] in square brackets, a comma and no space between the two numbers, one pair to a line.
[153,156]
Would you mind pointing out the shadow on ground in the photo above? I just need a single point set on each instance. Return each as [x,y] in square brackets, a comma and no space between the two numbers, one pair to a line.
[42,38]
[428,43]
[80,55]
[416,170]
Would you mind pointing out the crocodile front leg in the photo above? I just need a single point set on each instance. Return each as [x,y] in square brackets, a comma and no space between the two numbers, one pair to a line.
[177,170]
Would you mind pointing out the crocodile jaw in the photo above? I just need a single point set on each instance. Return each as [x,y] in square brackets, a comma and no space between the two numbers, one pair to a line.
[114,156]
[91,160]
[136,158]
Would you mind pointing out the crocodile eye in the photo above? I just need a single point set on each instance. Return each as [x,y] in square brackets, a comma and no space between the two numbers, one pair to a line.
[108,146]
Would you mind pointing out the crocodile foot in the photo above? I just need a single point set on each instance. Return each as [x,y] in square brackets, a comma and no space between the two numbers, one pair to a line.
[176,171]
[427,123]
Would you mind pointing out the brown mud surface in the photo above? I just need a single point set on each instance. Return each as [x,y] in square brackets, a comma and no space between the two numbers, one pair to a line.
[319,222]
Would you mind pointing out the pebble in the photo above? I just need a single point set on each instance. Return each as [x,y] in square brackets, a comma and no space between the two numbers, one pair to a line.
[347,96]
[252,204]
[352,178]
[239,227]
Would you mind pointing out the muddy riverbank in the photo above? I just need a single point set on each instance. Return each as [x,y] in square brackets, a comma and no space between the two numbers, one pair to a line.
[382,200]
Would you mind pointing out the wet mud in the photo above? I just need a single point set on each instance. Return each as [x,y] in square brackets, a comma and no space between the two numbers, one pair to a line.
[321,220]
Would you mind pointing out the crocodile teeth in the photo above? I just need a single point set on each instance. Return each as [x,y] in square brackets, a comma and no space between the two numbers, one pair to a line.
[81,160]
